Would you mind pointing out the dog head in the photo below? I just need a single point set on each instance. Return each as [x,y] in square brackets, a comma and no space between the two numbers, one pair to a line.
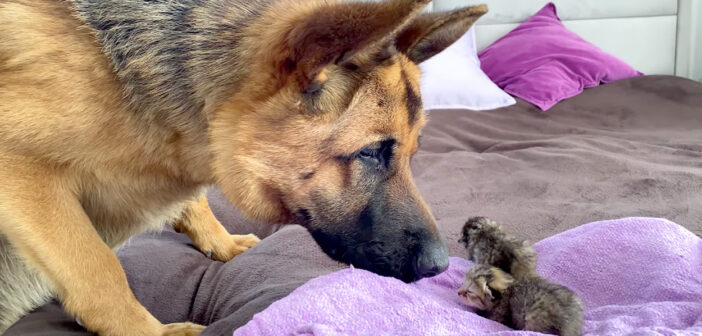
[323,130]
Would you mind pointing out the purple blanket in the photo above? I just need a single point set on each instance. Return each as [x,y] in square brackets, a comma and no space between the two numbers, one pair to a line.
[637,276]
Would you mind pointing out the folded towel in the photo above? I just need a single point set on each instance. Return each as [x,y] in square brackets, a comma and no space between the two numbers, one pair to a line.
[636,276]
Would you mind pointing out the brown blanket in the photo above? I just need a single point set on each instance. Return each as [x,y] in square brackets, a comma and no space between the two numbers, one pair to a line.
[630,148]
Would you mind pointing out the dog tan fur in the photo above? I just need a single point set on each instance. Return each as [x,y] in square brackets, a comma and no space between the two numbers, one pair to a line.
[94,151]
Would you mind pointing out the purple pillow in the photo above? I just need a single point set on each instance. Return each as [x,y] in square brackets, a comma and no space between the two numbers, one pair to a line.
[543,63]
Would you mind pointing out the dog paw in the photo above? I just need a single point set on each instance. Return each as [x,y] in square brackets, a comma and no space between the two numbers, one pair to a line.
[182,329]
[235,245]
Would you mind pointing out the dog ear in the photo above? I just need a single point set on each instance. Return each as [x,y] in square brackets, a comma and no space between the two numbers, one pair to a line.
[334,33]
[430,33]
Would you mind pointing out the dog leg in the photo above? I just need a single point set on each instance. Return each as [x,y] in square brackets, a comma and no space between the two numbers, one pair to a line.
[42,217]
[208,234]
[21,288]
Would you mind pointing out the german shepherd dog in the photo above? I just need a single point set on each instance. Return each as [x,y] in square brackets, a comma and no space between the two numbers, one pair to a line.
[116,115]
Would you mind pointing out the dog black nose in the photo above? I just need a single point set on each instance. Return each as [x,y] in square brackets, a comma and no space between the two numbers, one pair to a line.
[432,261]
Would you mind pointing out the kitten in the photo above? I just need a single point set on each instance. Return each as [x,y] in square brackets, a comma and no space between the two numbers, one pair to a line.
[531,304]
[486,243]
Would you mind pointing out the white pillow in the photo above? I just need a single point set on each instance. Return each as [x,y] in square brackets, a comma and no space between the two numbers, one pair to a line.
[452,79]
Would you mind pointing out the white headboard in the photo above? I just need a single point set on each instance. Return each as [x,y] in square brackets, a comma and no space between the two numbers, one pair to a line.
[654,36]
[643,33]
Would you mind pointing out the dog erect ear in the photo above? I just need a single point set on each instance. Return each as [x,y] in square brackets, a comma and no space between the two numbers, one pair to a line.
[430,33]
[333,33]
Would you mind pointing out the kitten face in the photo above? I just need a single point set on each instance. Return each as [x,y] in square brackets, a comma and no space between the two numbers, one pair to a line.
[475,293]
[483,286]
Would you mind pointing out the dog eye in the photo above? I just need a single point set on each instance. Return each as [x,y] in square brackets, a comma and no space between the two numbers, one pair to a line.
[377,156]
[351,66]
[369,155]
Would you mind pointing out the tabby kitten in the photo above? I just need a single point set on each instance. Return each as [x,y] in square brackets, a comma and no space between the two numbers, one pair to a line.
[532,304]
[486,243]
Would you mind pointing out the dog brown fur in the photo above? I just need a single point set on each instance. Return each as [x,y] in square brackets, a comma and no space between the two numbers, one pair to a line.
[93,151]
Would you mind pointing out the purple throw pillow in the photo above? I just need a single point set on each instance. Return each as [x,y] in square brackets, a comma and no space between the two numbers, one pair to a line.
[543,63]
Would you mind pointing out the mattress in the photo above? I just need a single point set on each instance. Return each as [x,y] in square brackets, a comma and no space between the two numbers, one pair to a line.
[629,148]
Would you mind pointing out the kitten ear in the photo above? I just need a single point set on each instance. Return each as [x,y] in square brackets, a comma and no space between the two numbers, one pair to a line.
[500,280]
[482,283]
[489,293]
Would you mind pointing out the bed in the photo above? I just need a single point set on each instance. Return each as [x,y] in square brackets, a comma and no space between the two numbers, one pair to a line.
[628,148]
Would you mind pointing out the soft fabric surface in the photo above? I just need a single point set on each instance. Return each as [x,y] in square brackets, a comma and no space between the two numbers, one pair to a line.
[629,148]
[635,275]
[453,79]
[543,63]
[177,283]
